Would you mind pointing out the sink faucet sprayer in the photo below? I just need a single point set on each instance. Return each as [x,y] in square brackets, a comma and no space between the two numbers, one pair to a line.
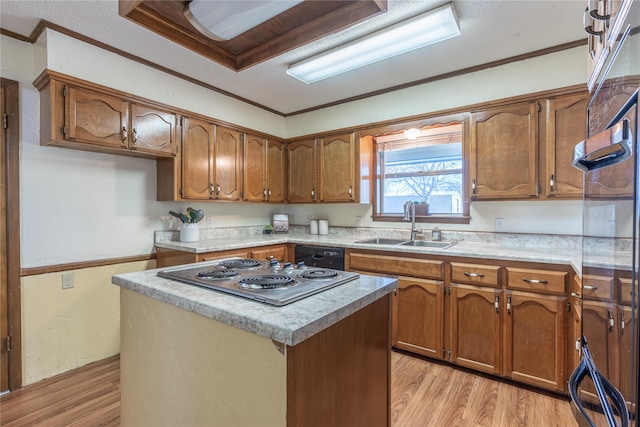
[410,215]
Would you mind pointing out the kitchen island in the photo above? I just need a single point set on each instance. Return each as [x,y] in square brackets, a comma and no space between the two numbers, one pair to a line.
[195,357]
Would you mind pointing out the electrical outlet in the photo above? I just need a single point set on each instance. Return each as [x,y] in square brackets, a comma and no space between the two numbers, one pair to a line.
[67,280]
[308,218]
[500,224]
[358,221]
[209,222]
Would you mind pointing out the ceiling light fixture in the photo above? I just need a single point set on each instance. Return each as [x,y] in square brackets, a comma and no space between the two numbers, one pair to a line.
[429,28]
[224,20]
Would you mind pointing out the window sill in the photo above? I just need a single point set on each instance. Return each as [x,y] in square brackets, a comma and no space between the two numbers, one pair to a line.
[439,219]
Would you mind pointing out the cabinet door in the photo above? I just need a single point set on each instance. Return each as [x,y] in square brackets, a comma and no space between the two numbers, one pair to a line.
[534,340]
[337,168]
[503,163]
[566,126]
[227,164]
[599,320]
[627,328]
[302,168]
[417,316]
[152,130]
[276,172]
[475,328]
[254,168]
[197,151]
[95,118]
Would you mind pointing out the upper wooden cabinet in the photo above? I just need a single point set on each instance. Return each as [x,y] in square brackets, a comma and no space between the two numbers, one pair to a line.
[211,161]
[328,169]
[503,157]
[336,155]
[301,158]
[565,125]
[264,170]
[84,116]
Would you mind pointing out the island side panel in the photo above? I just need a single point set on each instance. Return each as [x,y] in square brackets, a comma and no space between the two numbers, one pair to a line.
[342,375]
[182,369]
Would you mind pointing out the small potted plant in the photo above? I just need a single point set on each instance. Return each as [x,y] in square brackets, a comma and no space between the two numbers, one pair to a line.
[268,229]
[422,208]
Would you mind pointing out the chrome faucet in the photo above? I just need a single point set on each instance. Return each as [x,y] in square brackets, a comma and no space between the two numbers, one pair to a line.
[410,215]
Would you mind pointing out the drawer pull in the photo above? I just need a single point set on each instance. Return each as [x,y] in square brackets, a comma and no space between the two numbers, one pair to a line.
[543,282]
[589,287]
[610,320]
[473,274]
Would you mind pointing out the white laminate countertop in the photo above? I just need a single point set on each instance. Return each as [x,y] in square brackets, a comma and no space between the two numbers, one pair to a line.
[518,251]
[549,249]
[290,324]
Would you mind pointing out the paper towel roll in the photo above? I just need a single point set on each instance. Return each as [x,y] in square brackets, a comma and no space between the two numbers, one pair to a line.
[323,226]
[313,226]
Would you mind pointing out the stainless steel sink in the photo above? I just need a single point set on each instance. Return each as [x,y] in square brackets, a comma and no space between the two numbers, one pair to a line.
[382,241]
[428,244]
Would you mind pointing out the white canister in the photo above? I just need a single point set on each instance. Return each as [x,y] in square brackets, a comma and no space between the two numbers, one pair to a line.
[313,226]
[323,226]
[189,232]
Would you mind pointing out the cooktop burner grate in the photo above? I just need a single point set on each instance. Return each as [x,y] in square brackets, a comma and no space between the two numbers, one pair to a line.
[223,273]
[240,263]
[266,281]
[319,274]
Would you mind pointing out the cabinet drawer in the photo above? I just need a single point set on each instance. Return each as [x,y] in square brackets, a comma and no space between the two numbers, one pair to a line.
[597,287]
[277,252]
[475,274]
[545,281]
[211,256]
[625,290]
[413,267]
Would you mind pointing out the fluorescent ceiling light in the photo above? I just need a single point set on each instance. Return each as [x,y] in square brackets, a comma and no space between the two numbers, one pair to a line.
[225,19]
[429,28]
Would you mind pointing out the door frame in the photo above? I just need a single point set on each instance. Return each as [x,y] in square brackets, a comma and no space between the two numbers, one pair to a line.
[12,140]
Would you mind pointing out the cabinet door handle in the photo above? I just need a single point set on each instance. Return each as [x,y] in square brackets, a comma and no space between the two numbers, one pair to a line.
[124,133]
[473,186]
[552,183]
[135,135]
[589,287]
[217,189]
[575,295]
[268,192]
[622,323]
[211,188]
[543,282]
[509,305]
[350,190]
[610,320]
[473,274]
[264,193]
[497,303]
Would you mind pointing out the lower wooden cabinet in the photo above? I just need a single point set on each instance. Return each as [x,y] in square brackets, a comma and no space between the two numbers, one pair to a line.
[475,328]
[534,339]
[469,314]
[417,316]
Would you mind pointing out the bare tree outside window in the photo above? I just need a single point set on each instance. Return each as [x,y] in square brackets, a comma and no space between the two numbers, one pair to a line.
[427,172]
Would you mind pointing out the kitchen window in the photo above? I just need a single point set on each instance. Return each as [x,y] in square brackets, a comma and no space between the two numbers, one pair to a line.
[425,166]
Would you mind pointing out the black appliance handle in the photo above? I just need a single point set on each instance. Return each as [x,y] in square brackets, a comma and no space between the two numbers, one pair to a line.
[609,147]
[604,389]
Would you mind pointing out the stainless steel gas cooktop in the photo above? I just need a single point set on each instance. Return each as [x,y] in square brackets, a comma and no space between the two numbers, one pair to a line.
[268,282]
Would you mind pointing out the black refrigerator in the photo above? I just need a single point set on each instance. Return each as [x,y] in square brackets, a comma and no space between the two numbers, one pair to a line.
[604,386]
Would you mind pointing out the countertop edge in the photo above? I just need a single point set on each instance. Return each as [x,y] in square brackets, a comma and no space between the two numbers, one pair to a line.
[279,323]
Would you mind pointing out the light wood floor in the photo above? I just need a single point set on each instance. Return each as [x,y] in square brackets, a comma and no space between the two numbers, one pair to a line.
[423,394]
